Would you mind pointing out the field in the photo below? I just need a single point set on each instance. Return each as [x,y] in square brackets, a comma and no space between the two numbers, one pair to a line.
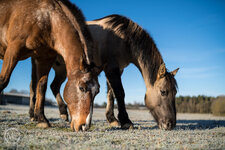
[193,131]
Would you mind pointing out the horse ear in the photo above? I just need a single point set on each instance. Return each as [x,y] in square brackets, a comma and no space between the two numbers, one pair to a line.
[83,65]
[162,71]
[174,72]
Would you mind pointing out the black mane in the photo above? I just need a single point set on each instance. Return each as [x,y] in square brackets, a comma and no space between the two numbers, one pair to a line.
[76,12]
[138,39]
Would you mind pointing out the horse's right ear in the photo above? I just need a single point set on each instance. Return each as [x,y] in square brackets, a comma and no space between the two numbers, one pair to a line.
[83,65]
[161,71]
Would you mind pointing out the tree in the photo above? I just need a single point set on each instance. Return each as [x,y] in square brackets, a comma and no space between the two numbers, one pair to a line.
[13,91]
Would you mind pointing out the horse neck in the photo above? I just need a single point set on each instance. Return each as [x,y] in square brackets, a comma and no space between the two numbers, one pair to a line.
[148,65]
[66,42]
[78,21]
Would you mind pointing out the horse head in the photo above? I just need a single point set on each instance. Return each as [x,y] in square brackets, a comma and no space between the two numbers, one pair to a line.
[79,93]
[160,98]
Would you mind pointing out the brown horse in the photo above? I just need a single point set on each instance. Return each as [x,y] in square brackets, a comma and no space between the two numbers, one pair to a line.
[41,29]
[120,42]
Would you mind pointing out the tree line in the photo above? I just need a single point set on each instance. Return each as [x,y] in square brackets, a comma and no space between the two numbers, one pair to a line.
[184,104]
[201,104]
[189,104]
[195,104]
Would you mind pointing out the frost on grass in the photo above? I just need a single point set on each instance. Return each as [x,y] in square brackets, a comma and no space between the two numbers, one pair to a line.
[204,132]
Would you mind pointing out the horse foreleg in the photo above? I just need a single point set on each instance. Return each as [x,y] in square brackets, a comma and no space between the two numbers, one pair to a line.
[114,80]
[60,77]
[33,85]
[9,62]
[110,108]
[43,68]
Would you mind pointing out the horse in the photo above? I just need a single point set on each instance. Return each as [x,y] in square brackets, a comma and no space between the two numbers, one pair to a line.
[43,29]
[121,42]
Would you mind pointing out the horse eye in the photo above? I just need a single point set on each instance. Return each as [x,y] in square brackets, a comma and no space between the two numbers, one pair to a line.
[164,93]
[83,89]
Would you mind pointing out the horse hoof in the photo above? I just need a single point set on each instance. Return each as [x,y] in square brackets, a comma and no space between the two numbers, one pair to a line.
[43,125]
[114,124]
[32,119]
[127,126]
[64,117]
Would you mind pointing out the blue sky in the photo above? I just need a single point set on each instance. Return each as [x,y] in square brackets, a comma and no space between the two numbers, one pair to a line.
[190,34]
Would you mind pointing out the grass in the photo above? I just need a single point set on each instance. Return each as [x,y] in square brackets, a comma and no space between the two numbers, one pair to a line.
[192,132]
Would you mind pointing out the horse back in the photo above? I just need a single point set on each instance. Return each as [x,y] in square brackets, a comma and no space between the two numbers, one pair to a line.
[111,48]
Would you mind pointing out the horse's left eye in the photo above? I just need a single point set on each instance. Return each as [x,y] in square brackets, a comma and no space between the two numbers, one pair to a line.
[164,92]
[83,89]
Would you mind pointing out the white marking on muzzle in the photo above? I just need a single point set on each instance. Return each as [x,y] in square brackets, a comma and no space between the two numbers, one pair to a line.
[88,119]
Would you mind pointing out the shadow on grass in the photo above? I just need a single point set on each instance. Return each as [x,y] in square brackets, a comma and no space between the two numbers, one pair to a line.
[199,124]
[55,119]
[181,125]
[186,124]
[138,125]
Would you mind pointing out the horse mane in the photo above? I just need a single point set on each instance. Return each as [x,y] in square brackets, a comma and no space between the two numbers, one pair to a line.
[85,35]
[172,83]
[139,40]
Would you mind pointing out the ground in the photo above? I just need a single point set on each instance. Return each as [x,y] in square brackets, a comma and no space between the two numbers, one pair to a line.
[193,131]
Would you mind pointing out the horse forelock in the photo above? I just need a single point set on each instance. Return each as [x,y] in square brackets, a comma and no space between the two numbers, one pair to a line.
[141,43]
[82,29]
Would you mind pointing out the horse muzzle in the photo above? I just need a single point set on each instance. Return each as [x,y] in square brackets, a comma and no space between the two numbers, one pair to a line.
[82,124]
[166,124]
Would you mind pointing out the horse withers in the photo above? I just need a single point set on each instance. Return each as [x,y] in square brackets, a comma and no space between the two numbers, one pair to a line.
[41,29]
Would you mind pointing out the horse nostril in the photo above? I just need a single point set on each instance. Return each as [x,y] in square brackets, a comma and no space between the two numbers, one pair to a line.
[82,127]
[169,125]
